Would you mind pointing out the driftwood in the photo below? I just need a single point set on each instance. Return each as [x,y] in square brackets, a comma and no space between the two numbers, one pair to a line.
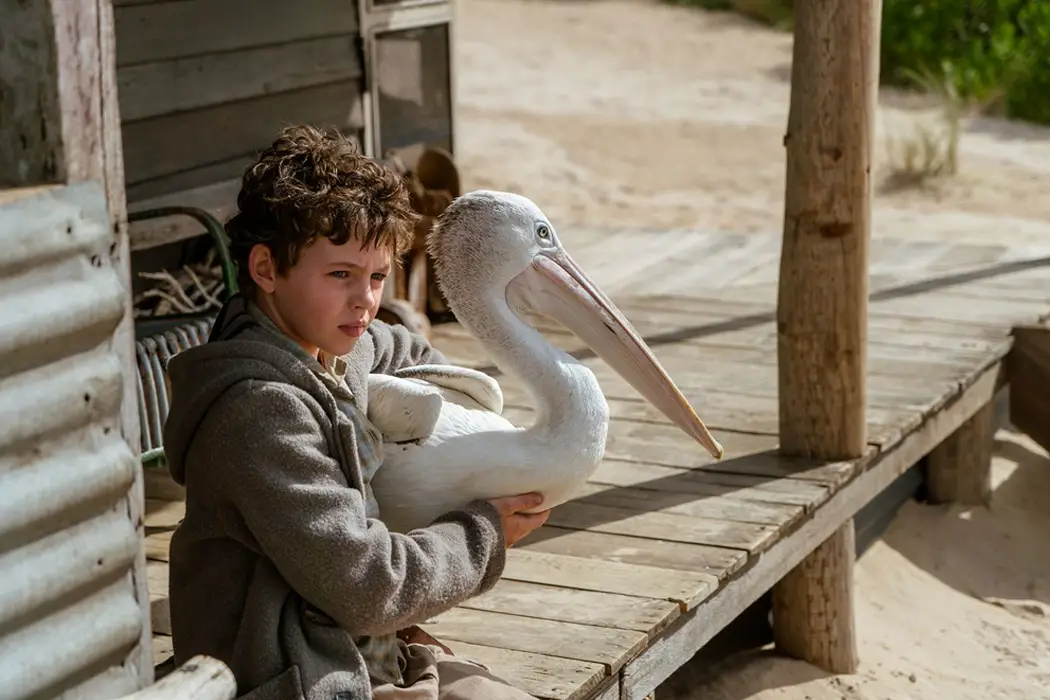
[191,289]
[200,678]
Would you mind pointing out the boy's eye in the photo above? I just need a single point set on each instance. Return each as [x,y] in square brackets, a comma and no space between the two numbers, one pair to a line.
[340,274]
[379,276]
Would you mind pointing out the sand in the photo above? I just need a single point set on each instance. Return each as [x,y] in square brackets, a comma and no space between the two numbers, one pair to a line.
[642,114]
[629,112]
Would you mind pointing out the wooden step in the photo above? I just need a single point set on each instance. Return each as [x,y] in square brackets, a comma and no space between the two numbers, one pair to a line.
[1029,368]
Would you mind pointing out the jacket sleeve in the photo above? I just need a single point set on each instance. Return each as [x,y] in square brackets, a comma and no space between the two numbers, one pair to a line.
[296,503]
[397,347]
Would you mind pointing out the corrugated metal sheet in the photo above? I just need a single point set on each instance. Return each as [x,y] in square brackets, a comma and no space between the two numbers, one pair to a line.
[68,611]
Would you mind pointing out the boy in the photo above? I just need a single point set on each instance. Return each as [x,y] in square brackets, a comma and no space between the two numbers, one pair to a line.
[281,568]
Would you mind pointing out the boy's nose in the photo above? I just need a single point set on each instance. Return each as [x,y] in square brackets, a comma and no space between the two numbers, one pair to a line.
[363,298]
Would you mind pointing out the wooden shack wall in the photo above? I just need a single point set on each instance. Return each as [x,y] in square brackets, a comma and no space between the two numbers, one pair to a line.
[205,84]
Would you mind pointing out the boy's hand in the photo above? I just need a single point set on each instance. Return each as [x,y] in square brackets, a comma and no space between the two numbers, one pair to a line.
[516,524]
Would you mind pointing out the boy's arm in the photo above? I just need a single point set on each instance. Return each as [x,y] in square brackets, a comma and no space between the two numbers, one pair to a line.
[296,503]
[397,347]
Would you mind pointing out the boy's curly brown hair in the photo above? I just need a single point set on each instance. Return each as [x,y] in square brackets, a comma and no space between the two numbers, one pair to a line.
[312,183]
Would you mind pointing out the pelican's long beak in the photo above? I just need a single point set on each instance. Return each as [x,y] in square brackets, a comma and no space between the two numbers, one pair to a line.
[561,290]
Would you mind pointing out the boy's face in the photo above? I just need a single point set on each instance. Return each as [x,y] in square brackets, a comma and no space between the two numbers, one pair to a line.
[328,298]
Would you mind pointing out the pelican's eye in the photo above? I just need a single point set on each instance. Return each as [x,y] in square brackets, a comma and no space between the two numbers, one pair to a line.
[544,232]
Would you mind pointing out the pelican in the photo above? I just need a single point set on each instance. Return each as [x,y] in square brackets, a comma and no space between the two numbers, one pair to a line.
[498,261]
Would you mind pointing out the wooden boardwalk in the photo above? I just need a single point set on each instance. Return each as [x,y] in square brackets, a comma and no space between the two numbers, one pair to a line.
[664,548]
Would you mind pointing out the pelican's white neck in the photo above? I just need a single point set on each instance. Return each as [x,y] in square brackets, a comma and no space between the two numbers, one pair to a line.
[568,398]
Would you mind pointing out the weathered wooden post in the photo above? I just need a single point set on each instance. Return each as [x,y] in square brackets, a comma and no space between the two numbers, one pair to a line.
[60,125]
[823,296]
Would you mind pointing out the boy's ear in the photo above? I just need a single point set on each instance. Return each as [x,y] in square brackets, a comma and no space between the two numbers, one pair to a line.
[262,267]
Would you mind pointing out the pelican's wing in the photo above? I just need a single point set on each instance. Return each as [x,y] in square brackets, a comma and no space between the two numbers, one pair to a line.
[402,409]
[475,384]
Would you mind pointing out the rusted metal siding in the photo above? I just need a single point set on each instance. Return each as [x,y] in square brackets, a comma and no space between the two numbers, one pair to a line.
[69,615]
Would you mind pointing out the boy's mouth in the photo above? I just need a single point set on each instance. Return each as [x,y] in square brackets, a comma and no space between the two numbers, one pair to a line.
[355,330]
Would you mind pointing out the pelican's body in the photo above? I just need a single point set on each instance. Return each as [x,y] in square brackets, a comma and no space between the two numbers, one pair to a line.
[444,448]
[497,259]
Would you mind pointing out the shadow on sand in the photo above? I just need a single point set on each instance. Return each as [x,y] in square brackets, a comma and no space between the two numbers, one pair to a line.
[999,554]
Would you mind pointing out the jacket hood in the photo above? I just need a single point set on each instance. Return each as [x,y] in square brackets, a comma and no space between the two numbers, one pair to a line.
[200,375]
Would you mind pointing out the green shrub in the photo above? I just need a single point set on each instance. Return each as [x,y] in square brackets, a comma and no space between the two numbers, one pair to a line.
[1028,95]
[995,53]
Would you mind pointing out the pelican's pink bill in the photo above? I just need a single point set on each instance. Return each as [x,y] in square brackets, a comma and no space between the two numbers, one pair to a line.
[585,310]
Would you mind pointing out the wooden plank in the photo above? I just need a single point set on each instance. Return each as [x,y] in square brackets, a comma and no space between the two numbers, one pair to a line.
[162,649]
[700,372]
[910,301]
[162,514]
[157,31]
[159,88]
[698,482]
[967,255]
[776,465]
[695,628]
[597,562]
[536,672]
[648,615]
[665,445]
[579,515]
[769,463]
[188,181]
[566,640]
[165,145]
[952,267]
[157,545]
[157,582]
[687,266]
[676,503]
[692,253]
[1025,287]
[687,589]
[739,304]
[713,562]
[755,414]
[964,309]
[539,675]
[219,200]
[892,350]
[1029,367]
[749,254]
[201,677]
[742,383]
[157,483]
[609,689]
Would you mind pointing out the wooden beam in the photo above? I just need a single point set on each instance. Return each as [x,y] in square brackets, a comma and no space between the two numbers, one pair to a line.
[959,470]
[200,678]
[60,124]
[822,310]
[808,603]
[1029,368]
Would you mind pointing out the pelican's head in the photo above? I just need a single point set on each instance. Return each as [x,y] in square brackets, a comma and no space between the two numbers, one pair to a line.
[488,245]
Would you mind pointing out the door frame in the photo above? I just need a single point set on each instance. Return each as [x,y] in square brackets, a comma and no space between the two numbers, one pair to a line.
[380,18]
